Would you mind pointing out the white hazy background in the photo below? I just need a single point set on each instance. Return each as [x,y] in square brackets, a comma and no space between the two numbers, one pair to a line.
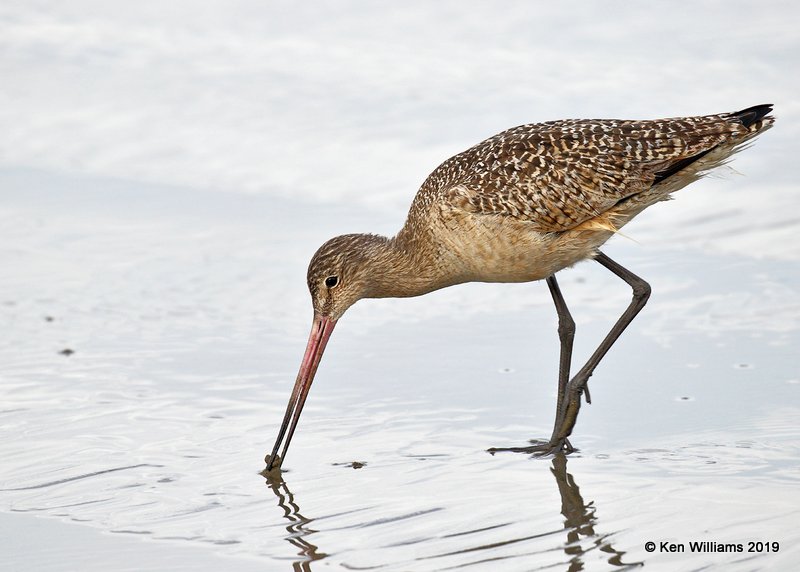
[360,100]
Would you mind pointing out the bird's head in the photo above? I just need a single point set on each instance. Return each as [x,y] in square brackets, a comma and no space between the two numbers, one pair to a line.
[341,272]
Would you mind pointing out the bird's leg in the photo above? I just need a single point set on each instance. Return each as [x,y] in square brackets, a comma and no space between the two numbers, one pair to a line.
[569,393]
[566,335]
[571,403]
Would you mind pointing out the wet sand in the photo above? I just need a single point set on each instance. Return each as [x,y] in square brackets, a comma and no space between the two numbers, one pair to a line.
[155,231]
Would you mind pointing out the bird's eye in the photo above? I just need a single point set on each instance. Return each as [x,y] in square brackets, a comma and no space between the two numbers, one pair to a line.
[331,281]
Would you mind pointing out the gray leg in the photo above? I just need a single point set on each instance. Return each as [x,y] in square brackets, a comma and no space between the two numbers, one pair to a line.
[569,393]
[568,411]
[566,335]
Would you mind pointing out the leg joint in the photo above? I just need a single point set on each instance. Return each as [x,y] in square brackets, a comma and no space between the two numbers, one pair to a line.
[641,290]
[566,326]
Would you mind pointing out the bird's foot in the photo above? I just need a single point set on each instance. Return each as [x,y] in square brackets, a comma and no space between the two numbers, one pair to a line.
[539,448]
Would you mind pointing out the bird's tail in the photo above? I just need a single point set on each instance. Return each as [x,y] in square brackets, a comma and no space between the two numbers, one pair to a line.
[756,119]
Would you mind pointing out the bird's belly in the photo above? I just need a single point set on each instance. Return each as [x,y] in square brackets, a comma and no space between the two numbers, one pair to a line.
[509,251]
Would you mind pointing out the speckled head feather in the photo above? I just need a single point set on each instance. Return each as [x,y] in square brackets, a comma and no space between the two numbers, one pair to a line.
[347,268]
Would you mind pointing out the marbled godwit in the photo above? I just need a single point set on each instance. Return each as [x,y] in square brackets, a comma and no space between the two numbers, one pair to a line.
[519,207]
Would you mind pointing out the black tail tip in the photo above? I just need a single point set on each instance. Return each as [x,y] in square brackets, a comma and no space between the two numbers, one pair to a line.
[753,114]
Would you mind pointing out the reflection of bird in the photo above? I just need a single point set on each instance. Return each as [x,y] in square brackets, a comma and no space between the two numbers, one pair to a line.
[298,528]
[580,520]
[519,207]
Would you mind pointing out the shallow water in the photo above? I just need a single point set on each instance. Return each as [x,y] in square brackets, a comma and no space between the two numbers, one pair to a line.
[165,176]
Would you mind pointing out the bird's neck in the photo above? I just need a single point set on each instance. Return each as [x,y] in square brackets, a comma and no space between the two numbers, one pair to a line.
[401,267]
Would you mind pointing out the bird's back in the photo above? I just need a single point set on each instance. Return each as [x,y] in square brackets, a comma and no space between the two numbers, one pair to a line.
[559,174]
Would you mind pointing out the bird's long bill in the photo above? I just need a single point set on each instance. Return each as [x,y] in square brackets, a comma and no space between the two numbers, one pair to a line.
[320,332]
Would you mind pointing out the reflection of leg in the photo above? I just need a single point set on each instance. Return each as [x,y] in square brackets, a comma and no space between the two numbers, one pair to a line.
[577,516]
[580,518]
[568,412]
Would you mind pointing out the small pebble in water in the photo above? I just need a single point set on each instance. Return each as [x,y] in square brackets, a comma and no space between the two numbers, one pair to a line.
[352,465]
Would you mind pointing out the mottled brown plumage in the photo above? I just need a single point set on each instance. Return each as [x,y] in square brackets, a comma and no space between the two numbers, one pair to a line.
[520,206]
[559,174]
